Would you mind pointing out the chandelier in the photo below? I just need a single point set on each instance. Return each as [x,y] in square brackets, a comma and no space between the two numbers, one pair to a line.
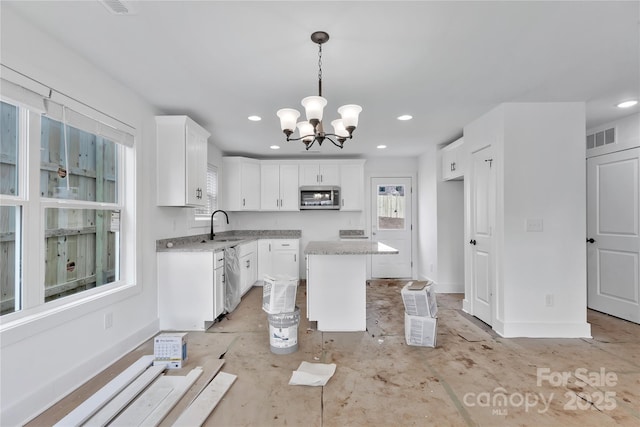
[312,129]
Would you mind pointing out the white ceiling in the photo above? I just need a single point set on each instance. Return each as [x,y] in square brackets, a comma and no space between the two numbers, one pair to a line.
[444,62]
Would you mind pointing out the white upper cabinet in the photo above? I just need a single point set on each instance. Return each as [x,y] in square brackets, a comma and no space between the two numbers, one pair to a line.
[278,186]
[352,187]
[241,184]
[181,162]
[319,174]
[453,165]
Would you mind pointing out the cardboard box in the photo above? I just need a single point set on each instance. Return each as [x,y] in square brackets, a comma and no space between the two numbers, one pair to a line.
[279,294]
[419,299]
[170,348]
[420,331]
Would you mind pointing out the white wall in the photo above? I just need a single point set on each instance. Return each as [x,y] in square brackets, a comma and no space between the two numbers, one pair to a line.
[451,242]
[428,216]
[539,156]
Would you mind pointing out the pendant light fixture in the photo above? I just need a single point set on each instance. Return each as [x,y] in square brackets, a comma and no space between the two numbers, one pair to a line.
[312,129]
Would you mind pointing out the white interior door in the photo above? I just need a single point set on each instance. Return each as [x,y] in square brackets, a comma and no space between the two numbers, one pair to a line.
[613,242]
[483,201]
[391,225]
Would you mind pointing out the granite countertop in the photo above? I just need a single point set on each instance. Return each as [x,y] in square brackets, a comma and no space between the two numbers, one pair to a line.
[352,234]
[355,247]
[222,240]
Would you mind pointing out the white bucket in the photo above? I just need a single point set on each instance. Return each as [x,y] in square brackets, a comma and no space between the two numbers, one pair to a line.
[283,332]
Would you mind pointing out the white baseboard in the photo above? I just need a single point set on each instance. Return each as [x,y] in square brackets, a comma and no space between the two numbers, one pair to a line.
[542,330]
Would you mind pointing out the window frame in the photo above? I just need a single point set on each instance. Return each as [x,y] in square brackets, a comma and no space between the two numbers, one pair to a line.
[33,207]
[204,220]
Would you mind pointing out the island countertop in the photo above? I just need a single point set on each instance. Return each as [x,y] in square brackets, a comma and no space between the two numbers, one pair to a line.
[357,247]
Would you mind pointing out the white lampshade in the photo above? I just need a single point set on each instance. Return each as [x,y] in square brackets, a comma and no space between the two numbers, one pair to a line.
[288,118]
[313,106]
[339,129]
[349,114]
[306,131]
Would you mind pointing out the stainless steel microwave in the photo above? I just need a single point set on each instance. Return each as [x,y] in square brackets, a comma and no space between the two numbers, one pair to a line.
[319,197]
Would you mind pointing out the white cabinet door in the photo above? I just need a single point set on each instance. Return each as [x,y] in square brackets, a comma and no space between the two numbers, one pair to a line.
[181,161]
[453,161]
[270,187]
[319,174]
[352,187]
[289,188]
[218,284]
[278,187]
[248,257]
[286,262]
[196,186]
[264,258]
[240,184]
[250,186]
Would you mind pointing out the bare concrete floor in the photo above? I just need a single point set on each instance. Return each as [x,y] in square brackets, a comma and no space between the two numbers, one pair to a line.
[472,377]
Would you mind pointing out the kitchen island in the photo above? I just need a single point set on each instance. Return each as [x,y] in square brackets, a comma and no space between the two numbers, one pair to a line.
[336,283]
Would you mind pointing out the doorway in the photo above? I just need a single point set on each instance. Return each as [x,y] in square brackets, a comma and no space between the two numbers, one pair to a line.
[391,224]
[613,237]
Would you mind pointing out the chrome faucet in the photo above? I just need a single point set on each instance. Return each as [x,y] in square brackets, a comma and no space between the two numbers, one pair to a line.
[212,234]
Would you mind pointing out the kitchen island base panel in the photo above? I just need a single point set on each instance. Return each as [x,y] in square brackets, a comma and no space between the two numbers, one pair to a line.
[336,292]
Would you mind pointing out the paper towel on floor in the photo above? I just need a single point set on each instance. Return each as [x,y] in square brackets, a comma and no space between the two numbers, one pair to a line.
[314,374]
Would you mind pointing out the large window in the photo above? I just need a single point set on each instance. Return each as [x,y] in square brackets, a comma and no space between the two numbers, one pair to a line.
[61,234]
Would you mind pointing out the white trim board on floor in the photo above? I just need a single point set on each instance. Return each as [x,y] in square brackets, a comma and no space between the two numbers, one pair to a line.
[197,413]
[119,402]
[100,398]
[157,401]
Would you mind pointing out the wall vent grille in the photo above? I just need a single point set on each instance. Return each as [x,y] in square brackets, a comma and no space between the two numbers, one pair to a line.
[603,137]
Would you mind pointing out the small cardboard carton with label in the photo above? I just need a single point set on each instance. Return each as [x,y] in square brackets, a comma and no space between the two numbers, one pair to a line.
[170,349]
[419,299]
[420,330]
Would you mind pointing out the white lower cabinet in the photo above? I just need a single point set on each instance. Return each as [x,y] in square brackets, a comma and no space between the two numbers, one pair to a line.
[279,256]
[248,257]
[190,289]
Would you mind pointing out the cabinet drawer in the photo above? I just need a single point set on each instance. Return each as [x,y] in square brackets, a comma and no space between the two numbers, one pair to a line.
[218,259]
[282,244]
[247,248]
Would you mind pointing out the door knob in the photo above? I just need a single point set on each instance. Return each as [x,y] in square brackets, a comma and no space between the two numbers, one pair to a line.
[591,240]
[472,241]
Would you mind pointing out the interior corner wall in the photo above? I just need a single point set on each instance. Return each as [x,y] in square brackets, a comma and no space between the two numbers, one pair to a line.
[428,268]
[544,179]
[450,242]
[44,358]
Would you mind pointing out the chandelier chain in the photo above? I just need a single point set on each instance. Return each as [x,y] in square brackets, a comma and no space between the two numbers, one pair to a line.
[319,69]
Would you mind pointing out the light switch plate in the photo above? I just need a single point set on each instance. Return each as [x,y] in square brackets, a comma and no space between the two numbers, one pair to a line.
[533,224]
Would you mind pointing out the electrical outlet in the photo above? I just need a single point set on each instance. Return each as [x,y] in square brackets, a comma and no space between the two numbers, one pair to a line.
[533,224]
[548,300]
[108,320]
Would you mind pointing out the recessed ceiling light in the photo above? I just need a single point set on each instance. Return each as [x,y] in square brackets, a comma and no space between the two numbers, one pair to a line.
[405,117]
[627,104]
[381,147]
[255,118]
[275,147]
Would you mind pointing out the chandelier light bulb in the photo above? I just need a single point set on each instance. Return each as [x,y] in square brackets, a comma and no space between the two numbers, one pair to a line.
[339,129]
[349,114]
[314,106]
[288,119]
[307,132]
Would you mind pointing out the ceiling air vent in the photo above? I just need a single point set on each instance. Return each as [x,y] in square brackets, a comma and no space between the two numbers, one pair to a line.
[598,139]
[118,7]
